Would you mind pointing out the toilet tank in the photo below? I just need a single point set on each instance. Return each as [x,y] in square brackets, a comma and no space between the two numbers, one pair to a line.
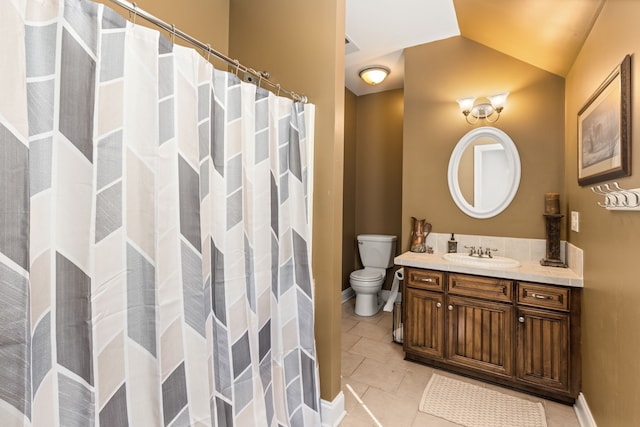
[376,250]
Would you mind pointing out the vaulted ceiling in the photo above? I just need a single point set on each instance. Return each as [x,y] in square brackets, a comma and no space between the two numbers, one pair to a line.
[545,33]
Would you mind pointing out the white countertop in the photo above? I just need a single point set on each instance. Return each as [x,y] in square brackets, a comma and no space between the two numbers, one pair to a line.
[530,271]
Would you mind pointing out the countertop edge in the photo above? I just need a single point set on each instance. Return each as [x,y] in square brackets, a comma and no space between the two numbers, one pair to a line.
[529,271]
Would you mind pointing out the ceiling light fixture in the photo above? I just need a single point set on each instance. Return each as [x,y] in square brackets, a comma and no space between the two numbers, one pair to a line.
[374,75]
[483,110]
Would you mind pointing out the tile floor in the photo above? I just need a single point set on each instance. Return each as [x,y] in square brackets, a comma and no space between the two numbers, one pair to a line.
[373,367]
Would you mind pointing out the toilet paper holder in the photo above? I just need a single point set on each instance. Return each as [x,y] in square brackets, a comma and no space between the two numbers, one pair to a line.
[394,304]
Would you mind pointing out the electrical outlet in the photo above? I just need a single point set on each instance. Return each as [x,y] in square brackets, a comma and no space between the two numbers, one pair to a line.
[575,221]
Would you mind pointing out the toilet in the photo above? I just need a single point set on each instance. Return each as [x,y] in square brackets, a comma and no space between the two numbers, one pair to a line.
[376,253]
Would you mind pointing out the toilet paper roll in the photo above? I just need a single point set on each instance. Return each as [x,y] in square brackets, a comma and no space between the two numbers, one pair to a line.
[393,293]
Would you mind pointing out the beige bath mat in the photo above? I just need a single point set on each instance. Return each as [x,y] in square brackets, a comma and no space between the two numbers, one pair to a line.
[474,406]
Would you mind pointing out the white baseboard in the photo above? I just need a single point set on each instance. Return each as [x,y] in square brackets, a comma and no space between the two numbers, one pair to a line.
[332,413]
[583,413]
[347,294]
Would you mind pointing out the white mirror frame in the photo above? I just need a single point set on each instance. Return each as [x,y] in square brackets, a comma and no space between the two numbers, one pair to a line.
[513,161]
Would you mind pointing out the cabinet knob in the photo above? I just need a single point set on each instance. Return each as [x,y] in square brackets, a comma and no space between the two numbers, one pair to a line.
[438,305]
[450,307]
[521,319]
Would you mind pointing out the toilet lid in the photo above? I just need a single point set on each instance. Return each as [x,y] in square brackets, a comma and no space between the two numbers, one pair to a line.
[367,275]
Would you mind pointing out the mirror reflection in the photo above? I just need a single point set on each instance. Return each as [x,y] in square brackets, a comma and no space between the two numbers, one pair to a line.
[484,172]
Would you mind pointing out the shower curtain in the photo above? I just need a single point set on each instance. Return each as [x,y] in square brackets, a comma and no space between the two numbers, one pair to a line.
[154,232]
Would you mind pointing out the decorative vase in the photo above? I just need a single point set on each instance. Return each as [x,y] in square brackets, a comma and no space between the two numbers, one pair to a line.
[420,229]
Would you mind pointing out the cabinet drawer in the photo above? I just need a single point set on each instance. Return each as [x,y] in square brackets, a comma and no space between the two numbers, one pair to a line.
[424,279]
[480,287]
[543,296]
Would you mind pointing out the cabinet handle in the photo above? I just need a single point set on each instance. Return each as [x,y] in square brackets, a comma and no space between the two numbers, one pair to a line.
[521,319]
[429,280]
[540,296]
[450,307]
[438,305]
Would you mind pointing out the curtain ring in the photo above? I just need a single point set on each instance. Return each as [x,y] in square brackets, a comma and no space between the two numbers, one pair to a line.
[173,34]
[237,66]
[135,13]
[208,52]
[278,86]
[259,80]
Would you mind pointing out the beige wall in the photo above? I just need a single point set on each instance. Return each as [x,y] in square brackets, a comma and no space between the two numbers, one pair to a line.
[302,45]
[379,163]
[379,166]
[610,240]
[349,249]
[373,171]
[438,73]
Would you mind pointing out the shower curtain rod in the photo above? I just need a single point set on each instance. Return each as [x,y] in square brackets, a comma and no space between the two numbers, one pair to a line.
[262,76]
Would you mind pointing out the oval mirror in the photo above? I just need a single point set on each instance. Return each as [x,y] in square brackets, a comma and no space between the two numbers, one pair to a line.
[484,172]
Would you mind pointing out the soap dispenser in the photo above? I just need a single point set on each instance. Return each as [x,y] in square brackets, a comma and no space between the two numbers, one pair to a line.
[452,245]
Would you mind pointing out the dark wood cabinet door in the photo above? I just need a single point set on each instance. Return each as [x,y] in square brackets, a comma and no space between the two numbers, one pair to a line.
[543,348]
[424,322]
[480,335]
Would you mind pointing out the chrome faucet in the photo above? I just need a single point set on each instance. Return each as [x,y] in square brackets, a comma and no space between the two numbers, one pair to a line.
[480,252]
[488,252]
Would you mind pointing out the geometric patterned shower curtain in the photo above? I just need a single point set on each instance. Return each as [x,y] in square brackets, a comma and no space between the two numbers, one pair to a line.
[154,232]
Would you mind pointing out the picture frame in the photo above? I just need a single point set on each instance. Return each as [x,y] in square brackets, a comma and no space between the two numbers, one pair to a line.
[604,129]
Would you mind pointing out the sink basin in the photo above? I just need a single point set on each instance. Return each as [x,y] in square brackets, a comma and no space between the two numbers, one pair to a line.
[474,261]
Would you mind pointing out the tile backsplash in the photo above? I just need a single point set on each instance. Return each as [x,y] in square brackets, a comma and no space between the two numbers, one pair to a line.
[510,247]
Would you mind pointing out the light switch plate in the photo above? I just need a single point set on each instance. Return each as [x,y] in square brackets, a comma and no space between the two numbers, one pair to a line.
[575,221]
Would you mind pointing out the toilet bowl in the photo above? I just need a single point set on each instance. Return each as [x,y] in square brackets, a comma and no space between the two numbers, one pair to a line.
[376,252]
[366,284]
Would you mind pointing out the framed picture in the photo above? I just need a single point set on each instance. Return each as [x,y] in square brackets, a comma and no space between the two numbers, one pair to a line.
[604,129]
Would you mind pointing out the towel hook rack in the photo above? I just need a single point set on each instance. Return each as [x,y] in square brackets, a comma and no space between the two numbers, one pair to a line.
[618,198]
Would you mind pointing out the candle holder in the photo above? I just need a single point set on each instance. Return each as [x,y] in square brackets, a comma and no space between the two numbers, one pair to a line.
[552,203]
[553,241]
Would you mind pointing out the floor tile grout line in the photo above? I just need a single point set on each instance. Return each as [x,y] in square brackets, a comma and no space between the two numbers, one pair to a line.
[365,407]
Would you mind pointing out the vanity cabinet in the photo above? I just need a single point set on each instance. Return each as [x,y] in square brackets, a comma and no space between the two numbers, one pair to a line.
[548,337]
[425,304]
[519,334]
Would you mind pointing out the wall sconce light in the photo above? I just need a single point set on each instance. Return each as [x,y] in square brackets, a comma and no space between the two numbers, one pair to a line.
[483,110]
[374,75]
